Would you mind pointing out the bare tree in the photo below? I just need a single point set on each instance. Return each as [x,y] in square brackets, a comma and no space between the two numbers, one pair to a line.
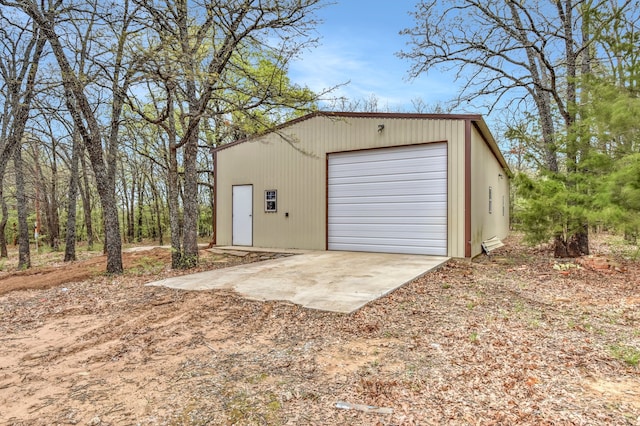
[23,47]
[198,46]
[115,20]
[52,122]
[24,253]
[517,54]
[230,54]
[70,236]
[45,155]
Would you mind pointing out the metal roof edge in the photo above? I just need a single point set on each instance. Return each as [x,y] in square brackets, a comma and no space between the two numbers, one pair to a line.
[491,142]
[271,130]
[475,118]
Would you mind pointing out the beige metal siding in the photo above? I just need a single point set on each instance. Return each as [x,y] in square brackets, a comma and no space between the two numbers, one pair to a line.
[293,161]
[487,173]
[271,163]
[455,188]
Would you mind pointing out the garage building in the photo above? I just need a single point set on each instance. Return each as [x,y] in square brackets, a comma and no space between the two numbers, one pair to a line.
[395,183]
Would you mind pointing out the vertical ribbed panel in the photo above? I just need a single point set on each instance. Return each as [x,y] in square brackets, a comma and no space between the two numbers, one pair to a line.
[391,200]
[486,224]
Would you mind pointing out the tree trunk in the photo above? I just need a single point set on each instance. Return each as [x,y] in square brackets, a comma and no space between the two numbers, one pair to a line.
[12,147]
[582,238]
[585,69]
[131,212]
[24,251]
[575,245]
[578,243]
[126,222]
[85,196]
[560,249]
[173,192]
[52,212]
[87,124]
[3,222]
[113,243]
[190,144]
[48,198]
[140,211]
[541,78]
[541,96]
[158,207]
[212,196]
[70,238]
[190,203]
[174,209]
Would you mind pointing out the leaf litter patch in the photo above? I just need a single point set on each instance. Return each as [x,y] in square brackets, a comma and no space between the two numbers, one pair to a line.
[503,339]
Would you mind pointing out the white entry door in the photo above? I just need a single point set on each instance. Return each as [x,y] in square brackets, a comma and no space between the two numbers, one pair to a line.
[242,214]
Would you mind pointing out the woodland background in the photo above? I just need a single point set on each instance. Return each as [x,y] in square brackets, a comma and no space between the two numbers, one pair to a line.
[109,110]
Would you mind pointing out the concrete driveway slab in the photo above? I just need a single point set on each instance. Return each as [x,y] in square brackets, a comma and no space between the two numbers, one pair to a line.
[336,281]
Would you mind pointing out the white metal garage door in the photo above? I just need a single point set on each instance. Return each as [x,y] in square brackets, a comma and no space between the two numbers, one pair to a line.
[391,200]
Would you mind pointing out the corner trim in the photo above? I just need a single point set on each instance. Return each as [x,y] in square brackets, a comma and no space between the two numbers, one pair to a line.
[467,188]
[215,199]
[326,201]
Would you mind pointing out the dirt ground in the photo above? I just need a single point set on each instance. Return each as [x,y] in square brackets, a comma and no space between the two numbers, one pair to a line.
[515,338]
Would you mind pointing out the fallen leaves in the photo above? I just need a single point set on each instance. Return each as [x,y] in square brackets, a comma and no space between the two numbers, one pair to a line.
[532,381]
[601,263]
[505,339]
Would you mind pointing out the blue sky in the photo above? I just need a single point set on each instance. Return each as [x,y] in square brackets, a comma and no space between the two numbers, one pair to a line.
[359,42]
